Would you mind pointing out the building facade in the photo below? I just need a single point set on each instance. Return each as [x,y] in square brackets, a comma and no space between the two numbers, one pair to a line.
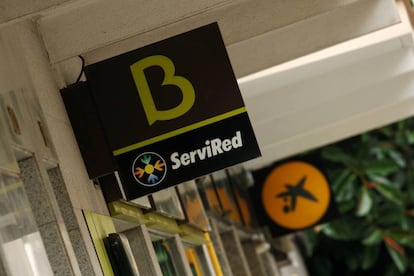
[56,217]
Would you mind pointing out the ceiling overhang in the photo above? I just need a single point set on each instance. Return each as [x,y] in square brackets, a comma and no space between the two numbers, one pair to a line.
[331,95]
[258,34]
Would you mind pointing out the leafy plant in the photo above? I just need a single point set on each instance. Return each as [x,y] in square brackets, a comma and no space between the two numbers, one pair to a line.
[372,178]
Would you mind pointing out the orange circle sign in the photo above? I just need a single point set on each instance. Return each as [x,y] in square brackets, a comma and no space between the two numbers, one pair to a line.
[296,195]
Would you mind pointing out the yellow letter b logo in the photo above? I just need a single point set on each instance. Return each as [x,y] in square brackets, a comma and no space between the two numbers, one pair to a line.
[186,88]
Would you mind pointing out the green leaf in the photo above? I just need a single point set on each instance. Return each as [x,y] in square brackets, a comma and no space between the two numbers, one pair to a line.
[401,140]
[391,270]
[401,124]
[382,167]
[407,223]
[403,237]
[379,179]
[366,137]
[347,189]
[364,202]
[409,135]
[397,157]
[378,152]
[346,206]
[346,229]
[387,131]
[400,260]
[340,179]
[389,215]
[309,241]
[391,193]
[336,154]
[375,237]
[370,256]
[409,183]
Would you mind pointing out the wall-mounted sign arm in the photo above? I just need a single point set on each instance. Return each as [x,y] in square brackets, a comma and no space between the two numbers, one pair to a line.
[88,129]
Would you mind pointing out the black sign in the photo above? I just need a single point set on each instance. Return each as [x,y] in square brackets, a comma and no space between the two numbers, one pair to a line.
[172,111]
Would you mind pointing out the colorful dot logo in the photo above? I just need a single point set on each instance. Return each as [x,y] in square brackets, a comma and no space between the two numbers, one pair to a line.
[149,169]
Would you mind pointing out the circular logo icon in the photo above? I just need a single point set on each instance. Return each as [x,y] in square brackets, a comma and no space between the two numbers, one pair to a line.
[296,195]
[149,169]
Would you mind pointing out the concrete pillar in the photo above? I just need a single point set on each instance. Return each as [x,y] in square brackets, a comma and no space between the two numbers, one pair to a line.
[270,264]
[45,217]
[69,218]
[219,247]
[141,246]
[256,266]
[178,255]
[235,253]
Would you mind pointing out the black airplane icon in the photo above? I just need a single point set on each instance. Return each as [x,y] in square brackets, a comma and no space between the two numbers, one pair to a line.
[295,191]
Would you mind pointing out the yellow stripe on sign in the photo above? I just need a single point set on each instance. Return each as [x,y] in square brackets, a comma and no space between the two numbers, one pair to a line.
[179,131]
